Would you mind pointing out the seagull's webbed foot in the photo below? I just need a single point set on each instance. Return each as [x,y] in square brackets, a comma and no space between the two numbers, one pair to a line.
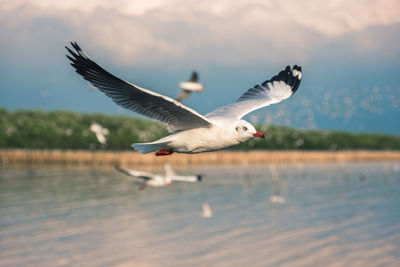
[164,152]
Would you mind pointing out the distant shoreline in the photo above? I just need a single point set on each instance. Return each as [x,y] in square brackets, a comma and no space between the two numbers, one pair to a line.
[132,158]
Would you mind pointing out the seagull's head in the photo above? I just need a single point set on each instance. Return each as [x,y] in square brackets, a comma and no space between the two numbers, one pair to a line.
[245,131]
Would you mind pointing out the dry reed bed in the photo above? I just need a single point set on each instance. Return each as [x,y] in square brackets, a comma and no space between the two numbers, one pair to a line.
[106,158]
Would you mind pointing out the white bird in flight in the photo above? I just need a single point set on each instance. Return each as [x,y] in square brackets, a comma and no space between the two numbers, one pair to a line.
[188,87]
[159,180]
[190,131]
[100,132]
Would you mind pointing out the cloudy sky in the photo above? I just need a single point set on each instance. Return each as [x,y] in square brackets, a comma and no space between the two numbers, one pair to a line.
[349,51]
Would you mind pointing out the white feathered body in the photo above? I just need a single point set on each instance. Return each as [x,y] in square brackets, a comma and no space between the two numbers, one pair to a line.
[219,135]
[202,139]
[158,181]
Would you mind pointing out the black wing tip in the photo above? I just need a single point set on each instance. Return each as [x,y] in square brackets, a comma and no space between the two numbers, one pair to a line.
[72,53]
[291,76]
[122,170]
[73,56]
[194,77]
[79,60]
[76,46]
[76,52]
[297,75]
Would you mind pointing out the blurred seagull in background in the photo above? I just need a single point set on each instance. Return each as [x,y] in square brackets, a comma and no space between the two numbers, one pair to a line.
[206,211]
[188,87]
[100,132]
[277,199]
[159,180]
[190,131]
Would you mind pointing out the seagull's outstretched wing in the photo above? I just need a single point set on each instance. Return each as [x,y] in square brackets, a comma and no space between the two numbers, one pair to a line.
[136,174]
[187,178]
[135,98]
[279,88]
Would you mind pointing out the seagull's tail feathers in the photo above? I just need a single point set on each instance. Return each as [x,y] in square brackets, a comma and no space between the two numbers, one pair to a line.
[145,148]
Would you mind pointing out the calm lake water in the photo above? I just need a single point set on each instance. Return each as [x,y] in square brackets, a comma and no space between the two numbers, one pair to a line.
[319,215]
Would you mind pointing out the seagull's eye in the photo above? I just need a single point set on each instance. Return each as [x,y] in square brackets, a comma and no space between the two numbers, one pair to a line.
[237,128]
[244,128]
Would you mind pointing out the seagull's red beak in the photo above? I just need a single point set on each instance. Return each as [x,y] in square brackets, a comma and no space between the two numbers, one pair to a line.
[259,134]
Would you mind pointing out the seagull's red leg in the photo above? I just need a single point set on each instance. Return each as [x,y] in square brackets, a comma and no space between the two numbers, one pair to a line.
[142,186]
[164,152]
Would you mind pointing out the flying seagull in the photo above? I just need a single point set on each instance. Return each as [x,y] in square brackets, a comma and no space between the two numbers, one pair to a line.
[159,180]
[188,87]
[190,131]
[100,132]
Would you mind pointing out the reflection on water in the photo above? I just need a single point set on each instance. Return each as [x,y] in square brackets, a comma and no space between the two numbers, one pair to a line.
[333,214]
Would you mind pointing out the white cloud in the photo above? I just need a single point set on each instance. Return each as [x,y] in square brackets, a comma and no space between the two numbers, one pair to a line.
[227,32]
[123,6]
[331,17]
[336,17]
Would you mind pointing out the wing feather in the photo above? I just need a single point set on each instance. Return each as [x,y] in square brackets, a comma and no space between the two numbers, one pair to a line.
[278,88]
[136,174]
[145,102]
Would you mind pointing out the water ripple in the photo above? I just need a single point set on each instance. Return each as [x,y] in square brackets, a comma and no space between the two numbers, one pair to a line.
[333,215]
